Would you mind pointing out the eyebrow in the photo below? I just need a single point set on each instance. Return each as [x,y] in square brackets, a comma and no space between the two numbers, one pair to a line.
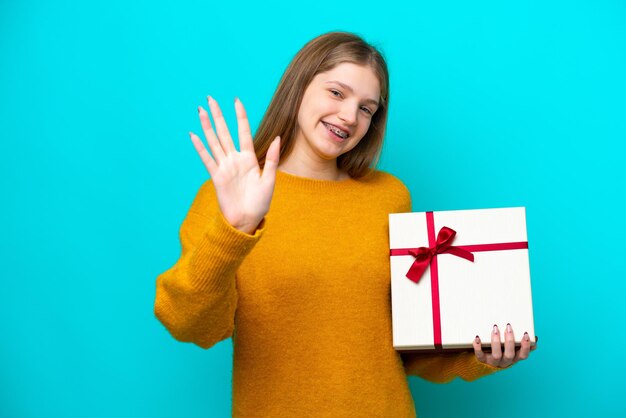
[347,87]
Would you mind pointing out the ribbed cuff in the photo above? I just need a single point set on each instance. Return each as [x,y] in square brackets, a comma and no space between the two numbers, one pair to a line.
[219,253]
[474,368]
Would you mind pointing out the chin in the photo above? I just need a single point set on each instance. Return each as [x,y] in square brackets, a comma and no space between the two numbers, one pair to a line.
[330,154]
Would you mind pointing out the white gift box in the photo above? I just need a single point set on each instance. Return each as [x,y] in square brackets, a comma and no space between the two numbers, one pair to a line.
[456,299]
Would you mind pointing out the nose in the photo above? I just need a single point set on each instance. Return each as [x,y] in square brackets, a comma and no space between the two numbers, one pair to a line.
[348,113]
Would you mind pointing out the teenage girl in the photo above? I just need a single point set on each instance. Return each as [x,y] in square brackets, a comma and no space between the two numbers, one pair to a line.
[285,249]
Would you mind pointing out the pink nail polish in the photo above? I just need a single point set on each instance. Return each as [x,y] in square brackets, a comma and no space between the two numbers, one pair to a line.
[495,329]
[508,328]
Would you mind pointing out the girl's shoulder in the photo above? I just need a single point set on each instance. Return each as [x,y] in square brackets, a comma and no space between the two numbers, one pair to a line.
[205,200]
[389,187]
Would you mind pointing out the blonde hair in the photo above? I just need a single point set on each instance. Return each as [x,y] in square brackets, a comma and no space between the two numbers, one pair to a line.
[319,55]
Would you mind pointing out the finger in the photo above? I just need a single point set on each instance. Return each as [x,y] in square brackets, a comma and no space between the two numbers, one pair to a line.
[243,126]
[524,350]
[220,125]
[533,347]
[204,154]
[496,349]
[478,350]
[214,144]
[509,347]
[271,161]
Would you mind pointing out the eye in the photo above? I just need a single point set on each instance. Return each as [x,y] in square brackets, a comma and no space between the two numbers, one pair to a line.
[366,110]
[335,93]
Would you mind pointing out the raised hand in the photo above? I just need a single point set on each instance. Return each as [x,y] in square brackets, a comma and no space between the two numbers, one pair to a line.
[243,192]
[510,355]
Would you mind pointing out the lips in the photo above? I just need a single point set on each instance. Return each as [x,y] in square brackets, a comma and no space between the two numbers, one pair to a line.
[341,133]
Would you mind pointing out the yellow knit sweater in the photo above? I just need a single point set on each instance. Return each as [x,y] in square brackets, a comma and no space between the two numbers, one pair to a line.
[306,299]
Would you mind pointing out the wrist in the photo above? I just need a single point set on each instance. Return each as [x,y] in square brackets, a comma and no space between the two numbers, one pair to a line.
[248,227]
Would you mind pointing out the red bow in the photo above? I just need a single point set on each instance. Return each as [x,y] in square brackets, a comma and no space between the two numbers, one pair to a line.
[424,255]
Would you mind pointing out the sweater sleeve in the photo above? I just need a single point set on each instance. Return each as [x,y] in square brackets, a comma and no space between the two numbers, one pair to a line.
[196,298]
[444,367]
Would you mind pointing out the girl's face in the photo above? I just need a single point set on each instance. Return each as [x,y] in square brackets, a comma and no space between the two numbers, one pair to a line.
[336,110]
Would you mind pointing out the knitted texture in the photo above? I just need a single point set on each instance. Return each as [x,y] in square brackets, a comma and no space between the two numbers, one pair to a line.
[306,299]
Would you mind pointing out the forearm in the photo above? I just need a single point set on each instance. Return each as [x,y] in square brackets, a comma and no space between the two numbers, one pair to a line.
[197,297]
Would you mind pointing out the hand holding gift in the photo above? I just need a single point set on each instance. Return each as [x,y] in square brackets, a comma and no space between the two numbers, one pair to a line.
[496,358]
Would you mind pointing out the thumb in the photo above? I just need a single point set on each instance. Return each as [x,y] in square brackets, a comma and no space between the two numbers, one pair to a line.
[271,161]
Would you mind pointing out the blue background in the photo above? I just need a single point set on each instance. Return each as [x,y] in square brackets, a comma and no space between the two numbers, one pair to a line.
[493,104]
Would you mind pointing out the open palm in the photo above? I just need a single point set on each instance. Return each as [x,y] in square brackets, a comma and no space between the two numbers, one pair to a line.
[243,192]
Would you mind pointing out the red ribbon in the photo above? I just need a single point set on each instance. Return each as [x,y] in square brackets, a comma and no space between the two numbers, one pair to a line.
[425,256]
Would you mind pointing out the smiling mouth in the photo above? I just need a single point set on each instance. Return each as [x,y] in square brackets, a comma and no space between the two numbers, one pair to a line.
[338,132]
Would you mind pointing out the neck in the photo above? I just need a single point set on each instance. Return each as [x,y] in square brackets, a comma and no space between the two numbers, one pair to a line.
[318,169]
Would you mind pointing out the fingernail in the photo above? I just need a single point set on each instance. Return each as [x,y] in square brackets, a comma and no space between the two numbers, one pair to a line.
[236,99]
[526,337]
[477,340]
[209,98]
[495,329]
[199,108]
[508,328]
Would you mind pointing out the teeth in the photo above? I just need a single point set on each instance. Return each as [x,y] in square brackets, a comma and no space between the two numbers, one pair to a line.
[337,131]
